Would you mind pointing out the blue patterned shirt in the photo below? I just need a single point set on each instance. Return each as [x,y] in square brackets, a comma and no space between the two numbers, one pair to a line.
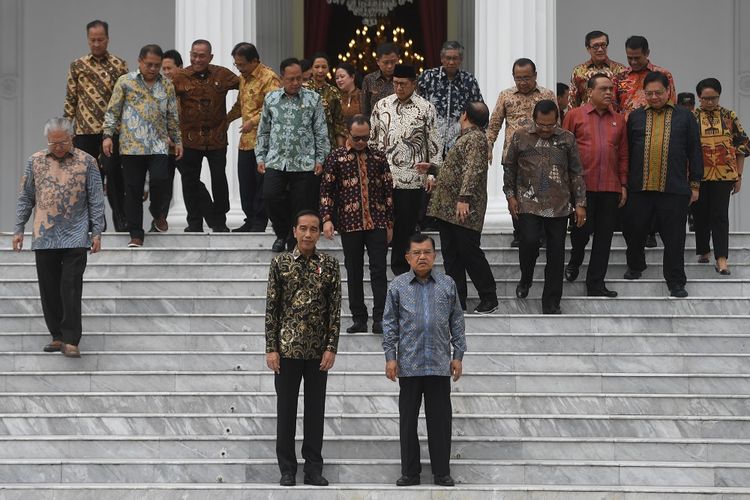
[422,320]
[292,134]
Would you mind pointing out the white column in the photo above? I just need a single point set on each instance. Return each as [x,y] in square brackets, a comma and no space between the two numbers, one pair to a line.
[224,24]
[504,31]
[740,204]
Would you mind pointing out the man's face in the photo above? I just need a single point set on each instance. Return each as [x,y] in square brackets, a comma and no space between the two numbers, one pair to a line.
[637,58]
[598,49]
[451,61]
[307,231]
[59,143]
[319,70]
[387,63]
[563,100]
[656,95]
[421,257]
[545,124]
[709,99]
[168,67]
[98,40]
[525,78]
[200,57]
[359,134]
[404,87]
[601,94]
[292,79]
[150,66]
[244,66]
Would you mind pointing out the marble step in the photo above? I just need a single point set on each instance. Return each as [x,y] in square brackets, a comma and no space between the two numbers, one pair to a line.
[386,471]
[487,362]
[378,424]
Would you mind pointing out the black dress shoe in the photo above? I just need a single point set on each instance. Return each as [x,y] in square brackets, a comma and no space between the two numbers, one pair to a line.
[551,310]
[278,245]
[679,292]
[486,307]
[632,274]
[446,480]
[408,481]
[515,243]
[193,229]
[377,327]
[571,273]
[651,241]
[244,228]
[317,480]
[358,328]
[522,290]
[220,229]
[287,480]
[602,292]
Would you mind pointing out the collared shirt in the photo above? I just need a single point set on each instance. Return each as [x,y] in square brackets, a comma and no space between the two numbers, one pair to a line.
[421,322]
[603,145]
[449,98]
[665,150]
[463,177]
[722,140]
[375,87]
[292,134]
[407,133]
[515,109]
[90,83]
[331,99]
[147,117]
[66,196]
[351,104]
[581,74]
[356,190]
[544,174]
[629,93]
[249,103]
[303,305]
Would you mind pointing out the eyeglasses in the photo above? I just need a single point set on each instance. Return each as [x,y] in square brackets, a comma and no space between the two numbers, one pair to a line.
[523,78]
[546,126]
[417,253]
[59,143]
[654,93]
[360,138]
[599,46]
[402,84]
[714,98]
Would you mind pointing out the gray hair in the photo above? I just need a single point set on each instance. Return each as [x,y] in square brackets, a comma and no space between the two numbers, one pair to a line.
[59,123]
[452,45]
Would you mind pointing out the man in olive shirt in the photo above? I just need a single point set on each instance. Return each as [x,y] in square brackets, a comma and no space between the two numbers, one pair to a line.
[303,310]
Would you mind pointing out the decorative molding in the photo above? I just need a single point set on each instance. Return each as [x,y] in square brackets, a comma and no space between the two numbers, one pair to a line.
[743,83]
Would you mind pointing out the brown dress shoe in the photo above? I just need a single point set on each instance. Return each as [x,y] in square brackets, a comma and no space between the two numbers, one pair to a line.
[135,243]
[71,351]
[54,346]
[160,223]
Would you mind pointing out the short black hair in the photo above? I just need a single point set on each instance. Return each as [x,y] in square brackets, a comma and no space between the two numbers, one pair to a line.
[201,41]
[636,42]
[686,98]
[656,76]
[289,61]
[523,61]
[151,48]
[708,83]
[349,68]
[561,89]
[477,113]
[320,55]
[545,106]
[305,64]
[387,48]
[420,238]
[98,22]
[307,211]
[595,34]
[591,83]
[358,119]
[175,56]
[247,51]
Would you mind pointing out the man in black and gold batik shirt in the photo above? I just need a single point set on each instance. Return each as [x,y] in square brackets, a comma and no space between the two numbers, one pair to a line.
[303,309]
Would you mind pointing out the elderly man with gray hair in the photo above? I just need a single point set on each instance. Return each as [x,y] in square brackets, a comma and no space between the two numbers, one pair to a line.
[63,186]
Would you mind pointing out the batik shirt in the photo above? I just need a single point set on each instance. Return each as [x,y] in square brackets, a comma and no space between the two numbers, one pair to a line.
[90,83]
[375,87]
[351,104]
[249,103]
[331,99]
[292,134]
[147,117]
[67,198]
[629,93]
[303,305]
[407,133]
[449,98]
[581,74]
[722,139]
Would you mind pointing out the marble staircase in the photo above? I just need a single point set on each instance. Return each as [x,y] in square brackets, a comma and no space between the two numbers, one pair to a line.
[642,396]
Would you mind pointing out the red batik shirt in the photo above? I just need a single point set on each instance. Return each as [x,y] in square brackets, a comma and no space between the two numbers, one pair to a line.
[629,93]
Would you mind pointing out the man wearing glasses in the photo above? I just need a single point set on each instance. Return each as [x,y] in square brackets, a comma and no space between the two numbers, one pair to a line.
[356,199]
[597,43]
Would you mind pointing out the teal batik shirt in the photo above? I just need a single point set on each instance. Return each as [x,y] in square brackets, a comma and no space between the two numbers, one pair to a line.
[292,134]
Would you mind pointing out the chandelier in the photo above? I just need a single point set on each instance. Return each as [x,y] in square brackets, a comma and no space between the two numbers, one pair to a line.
[369,10]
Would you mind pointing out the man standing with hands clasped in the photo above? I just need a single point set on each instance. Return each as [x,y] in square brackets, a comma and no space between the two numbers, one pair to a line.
[422,321]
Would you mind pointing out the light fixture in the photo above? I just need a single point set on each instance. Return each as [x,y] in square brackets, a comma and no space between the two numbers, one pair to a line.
[370,10]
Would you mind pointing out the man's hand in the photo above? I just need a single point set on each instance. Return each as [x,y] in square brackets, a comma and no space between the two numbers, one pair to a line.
[429,184]
[328,229]
[388,235]
[456,369]
[737,186]
[261,168]
[513,207]
[246,127]
[17,242]
[327,362]
[391,370]
[178,152]
[623,197]
[694,193]
[273,361]
[422,167]
[462,211]
[107,147]
[318,169]
[580,216]
[96,244]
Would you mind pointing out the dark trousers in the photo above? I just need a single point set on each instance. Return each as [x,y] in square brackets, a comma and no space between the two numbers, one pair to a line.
[251,191]
[439,416]
[60,274]
[406,206]
[462,253]
[531,228]
[287,193]
[711,218]
[134,168]
[601,215]
[198,202]
[162,207]
[112,174]
[670,213]
[354,243]
[291,372]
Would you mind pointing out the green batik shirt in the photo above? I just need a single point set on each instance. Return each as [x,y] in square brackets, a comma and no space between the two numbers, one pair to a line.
[332,107]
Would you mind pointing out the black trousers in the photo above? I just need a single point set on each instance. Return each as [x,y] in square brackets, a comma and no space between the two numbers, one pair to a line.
[287,381]
[60,275]
[711,218]
[601,216]
[406,206]
[354,243]
[198,202]
[162,207]
[111,174]
[134,168]
[287,193]
[462,253]
[670,213]
[439,416]
[251,190]
[531,228]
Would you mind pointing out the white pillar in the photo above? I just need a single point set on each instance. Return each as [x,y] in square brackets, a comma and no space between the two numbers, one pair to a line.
[224,24]
[504,31]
